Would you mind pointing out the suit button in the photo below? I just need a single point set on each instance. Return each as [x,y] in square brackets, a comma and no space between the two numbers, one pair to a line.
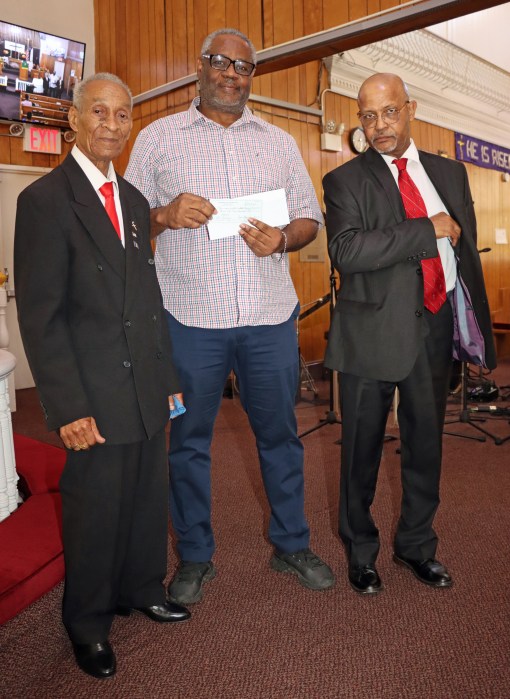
[127,364]
[150,261]
[419,272]
[100,268]
[423,253]
[418,314]
[127,323]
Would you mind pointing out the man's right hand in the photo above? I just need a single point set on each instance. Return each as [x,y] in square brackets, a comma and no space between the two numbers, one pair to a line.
[446,227]
[185,211]
[81,434]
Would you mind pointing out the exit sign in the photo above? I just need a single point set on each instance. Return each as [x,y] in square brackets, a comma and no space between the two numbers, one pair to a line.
[39,140]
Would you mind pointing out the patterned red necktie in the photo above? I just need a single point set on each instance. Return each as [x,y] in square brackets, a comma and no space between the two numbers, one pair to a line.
[434,286]
[109,204]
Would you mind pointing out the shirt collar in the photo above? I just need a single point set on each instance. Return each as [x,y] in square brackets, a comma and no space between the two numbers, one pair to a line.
[194,116]
[94,175]
[411,154]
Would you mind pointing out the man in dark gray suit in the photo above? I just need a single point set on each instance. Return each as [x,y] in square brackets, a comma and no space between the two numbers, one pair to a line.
[92,321]
[397,219]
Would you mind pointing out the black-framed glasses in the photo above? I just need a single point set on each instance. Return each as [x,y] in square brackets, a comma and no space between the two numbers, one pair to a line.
[389,116]
[220,62]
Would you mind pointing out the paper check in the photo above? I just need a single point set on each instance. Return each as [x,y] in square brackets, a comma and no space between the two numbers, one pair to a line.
[269,207]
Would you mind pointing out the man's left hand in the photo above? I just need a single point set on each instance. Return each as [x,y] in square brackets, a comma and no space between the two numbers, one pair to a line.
[263,240]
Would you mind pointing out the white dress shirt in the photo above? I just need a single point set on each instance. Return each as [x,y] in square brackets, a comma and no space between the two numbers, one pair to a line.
[97,180]
[433,204]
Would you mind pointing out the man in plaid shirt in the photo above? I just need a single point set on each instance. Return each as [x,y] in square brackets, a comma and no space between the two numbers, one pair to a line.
[231,303]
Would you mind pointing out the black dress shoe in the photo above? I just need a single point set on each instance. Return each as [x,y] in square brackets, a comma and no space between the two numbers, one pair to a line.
[429,571]
[365,579]
[96,659]
[167,612]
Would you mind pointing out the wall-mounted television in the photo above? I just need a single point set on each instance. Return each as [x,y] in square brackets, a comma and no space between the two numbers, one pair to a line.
[38,72]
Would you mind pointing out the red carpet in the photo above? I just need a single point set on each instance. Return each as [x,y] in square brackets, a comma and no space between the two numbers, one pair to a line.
[31,559]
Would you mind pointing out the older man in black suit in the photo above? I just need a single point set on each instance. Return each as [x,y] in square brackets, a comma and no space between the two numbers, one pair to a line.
[91,318]
[397,220]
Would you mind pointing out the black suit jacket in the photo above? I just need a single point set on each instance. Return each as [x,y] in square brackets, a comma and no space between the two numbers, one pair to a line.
[90,313]
[377,327]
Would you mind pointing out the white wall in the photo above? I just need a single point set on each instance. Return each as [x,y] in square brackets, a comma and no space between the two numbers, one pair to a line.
[72,19]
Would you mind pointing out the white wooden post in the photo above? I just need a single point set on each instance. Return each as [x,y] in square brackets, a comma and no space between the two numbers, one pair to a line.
[8,475]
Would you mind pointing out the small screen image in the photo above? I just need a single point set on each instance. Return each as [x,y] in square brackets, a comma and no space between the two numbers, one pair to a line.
[38,73]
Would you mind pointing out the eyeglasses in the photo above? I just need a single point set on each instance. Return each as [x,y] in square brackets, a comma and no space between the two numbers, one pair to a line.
[219,62]
[389,116]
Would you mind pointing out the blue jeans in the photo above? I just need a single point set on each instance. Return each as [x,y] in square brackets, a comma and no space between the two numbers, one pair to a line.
[266,363]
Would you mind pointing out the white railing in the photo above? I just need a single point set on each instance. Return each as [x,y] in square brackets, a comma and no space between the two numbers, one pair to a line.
[8,475]
[21,85]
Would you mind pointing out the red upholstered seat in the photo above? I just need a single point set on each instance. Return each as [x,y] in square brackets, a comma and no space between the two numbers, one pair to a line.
[32,562]
[31,556]
[39,465]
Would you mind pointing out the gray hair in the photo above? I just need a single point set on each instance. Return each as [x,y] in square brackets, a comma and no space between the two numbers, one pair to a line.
[232,32]
[80,87]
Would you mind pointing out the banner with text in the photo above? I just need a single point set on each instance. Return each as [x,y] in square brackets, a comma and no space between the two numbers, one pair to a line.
[482,153]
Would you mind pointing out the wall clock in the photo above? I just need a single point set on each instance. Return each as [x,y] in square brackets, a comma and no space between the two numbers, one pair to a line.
[357,140]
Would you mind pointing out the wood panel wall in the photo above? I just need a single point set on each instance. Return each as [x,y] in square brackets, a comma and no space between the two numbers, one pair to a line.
[156,41]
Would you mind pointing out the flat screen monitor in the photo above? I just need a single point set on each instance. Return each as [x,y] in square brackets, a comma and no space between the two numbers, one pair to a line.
[38,72]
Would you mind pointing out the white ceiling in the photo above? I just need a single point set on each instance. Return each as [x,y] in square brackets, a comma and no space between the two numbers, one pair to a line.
[483,33]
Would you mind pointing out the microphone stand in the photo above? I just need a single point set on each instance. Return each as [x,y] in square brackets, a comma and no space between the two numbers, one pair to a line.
[333,412]
[465,417]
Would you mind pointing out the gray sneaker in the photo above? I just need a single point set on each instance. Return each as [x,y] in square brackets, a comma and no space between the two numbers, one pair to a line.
[186,585]
[311,571]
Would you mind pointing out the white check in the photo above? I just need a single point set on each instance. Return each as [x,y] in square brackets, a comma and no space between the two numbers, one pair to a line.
[269,207]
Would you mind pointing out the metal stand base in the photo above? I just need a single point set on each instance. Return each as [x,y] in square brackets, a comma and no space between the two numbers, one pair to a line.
[465,417]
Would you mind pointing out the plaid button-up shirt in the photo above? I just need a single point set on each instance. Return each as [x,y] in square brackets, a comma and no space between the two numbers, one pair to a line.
[220,283]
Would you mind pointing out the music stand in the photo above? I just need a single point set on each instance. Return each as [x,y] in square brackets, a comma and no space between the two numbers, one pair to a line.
[333,412]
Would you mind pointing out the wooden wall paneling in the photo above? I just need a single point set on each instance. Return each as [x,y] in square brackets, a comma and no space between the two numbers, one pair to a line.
[232,15]
[253,23]
[267,24]
[5,143]
[373,7]
[216,19]
[144,57]
[283,21]
[104,29]
[130,16]
[313,18]
[357,9]
[160,51]
[335,13]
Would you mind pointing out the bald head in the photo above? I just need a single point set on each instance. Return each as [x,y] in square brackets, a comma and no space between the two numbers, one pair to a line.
[386,112]
[384,82]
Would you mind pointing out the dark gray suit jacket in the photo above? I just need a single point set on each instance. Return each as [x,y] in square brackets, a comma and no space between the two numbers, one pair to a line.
[377,327]
[90,313]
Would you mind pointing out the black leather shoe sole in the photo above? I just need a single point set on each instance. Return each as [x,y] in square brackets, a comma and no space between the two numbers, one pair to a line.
[441,582]
[96,659]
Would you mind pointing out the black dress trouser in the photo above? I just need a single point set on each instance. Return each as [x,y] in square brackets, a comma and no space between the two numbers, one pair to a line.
[365,404]
[115,533]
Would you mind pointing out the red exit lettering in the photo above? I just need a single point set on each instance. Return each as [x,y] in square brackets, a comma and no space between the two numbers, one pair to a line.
[42,140]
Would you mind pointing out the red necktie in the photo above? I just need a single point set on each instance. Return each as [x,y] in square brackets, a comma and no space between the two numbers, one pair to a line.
[434,286]
[109,204]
